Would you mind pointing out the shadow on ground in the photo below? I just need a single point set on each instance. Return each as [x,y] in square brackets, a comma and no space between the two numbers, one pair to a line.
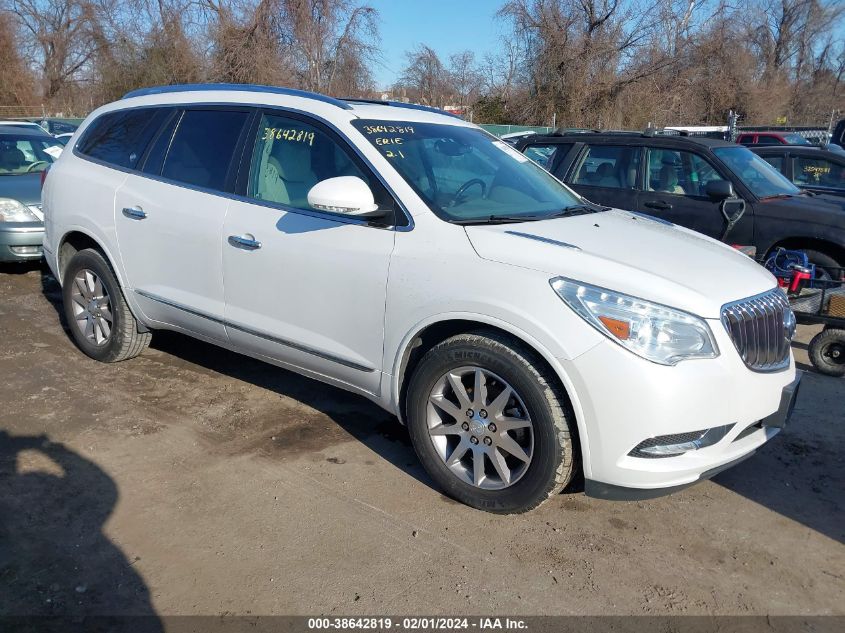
[800,473]
[55,560]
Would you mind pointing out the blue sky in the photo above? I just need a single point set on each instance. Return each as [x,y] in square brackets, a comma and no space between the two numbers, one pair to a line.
[448,26]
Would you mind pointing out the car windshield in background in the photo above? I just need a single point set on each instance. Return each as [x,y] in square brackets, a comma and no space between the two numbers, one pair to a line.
[465,175]
[760,177]
[26,154]
[796,139]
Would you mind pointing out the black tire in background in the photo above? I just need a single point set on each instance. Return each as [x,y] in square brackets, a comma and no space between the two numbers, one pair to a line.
[554,453]
[829,268]
[125,340]
[827,352]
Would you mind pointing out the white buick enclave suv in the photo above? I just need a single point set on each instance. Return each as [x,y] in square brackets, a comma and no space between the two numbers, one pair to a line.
[521,332]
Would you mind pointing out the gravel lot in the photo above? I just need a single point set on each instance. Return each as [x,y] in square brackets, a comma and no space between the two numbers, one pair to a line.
[195,481]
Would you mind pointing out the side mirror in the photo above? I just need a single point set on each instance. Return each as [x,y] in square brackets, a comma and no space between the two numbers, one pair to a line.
[345,194]
[718,190]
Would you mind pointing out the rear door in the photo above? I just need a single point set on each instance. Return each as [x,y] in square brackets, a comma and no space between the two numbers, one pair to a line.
[169,220]
[606,174]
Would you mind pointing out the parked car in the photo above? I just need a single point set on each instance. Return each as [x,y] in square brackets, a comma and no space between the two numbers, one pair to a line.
[23,157]
[59,127]
[687,181]
[771,138]
[30,126]
[809,168]
[406,255]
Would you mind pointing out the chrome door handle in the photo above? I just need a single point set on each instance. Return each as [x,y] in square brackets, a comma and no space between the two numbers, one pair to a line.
[134,213]
[244,241]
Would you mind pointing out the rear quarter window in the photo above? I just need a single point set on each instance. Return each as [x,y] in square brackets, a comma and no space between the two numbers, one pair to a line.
[120,138]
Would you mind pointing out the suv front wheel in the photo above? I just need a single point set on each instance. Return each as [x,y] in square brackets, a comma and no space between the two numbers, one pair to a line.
[96,311]
[489,423]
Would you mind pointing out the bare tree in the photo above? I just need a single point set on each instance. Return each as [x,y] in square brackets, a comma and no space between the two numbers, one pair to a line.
[425,78]
[17,81]
[464,78]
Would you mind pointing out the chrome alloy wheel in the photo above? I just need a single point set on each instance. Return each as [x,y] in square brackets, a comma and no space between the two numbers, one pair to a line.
[91,307]
[480,428]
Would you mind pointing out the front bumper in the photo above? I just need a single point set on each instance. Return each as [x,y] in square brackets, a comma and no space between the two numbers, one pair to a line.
[776,420]
[624,400]
[21,241]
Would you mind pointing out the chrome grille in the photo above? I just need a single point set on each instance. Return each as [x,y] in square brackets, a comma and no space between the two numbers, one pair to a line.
[761,328]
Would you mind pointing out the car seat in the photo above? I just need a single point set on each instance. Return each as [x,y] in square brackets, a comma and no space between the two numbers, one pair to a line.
[669,180]
[606,176]
[287,176]
[12,159]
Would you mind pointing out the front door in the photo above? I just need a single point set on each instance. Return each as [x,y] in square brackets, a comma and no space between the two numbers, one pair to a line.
[674,190]
[302,286]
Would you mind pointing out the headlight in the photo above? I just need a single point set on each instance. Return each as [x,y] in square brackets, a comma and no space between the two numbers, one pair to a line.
[650,330]
[14,211]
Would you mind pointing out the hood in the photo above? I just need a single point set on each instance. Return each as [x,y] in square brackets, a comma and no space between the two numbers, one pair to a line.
[631,253]
[829,207]
[25,188]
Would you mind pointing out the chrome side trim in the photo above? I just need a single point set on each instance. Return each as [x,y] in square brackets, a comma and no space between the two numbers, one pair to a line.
[545,240]
[257,333]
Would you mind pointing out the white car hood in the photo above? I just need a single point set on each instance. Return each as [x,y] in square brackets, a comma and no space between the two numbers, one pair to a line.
[630,253]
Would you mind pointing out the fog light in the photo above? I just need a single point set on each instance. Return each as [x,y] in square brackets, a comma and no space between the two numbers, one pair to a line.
[679,443]
[26,250]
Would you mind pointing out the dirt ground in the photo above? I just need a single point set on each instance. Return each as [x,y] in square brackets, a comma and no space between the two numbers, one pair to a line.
[195,481]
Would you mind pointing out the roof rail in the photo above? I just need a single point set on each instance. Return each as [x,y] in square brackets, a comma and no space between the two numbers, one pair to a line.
[401,104]
[292,92]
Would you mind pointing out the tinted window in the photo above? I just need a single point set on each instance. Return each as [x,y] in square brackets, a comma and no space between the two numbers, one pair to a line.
[291,156]
[120,138]
[545,155]
[608,166]
[158,150]
[683,173]
[767,139]
[818,172]
[203,147]
[775,161]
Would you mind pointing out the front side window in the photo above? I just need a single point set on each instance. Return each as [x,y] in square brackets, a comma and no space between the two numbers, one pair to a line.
[203,148]
[817,172]
[465,175]
[120,138]
[679,172]
[292,155]
[768,139]
[762,179]
[608,166]
[26,154]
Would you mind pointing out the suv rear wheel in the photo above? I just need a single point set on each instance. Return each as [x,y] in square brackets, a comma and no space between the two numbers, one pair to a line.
[489,423]
[96,311]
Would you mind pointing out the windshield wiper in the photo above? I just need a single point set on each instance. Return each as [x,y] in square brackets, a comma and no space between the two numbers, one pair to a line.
[578,209]
[500,219]
[777,196]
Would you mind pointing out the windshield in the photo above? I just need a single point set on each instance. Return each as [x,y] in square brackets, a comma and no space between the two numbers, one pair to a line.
[759,176]
[466,175]
[26,154]
[796,139]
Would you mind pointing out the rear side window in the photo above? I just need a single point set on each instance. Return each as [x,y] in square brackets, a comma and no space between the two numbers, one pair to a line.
[120,138]
[545,155]
[203,147]
[608,166]
[775,161]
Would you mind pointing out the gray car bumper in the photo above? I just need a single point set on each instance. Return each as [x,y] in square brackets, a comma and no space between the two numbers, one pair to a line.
[21,241]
